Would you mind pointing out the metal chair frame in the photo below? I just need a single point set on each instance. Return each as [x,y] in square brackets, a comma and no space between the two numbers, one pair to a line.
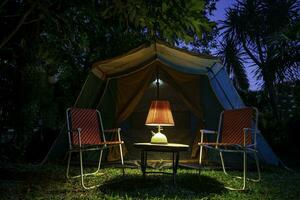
[239,148]
[81,148]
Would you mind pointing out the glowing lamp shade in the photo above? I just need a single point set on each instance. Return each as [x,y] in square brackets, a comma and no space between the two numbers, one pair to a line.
[159,115]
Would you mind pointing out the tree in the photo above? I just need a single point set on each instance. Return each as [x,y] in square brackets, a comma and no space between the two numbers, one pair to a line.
[260,28]
[165,20]
[63,38]
[232,58]
[51,45]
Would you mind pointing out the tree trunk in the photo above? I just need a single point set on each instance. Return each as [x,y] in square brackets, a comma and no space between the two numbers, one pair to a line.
[270,90]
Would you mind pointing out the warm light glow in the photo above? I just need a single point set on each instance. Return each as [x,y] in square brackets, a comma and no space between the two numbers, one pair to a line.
[160,114]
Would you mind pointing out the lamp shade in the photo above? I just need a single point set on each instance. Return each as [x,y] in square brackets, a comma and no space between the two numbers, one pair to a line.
[160,114]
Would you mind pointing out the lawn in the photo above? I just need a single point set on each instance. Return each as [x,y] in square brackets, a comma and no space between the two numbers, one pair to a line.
[49,182]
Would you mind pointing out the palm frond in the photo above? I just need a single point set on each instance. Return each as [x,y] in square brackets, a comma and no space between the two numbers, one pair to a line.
[233,61]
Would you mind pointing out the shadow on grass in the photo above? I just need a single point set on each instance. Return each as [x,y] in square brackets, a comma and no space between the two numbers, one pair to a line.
[49,182]
[187,186]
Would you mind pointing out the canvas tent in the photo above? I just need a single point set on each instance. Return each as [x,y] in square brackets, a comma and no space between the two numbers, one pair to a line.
[122,88]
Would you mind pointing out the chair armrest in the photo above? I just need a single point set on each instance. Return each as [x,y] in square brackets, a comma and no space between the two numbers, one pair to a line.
[74,130]
[250,129]
[208,131]
[78,130]
[202,131]
[247,131]
[114,130]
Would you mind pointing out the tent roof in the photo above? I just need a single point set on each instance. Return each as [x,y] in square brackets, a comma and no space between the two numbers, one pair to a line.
[145,55]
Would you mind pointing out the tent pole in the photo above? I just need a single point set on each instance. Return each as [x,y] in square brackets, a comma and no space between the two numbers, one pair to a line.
[157,84]
[104,91]
[81,91]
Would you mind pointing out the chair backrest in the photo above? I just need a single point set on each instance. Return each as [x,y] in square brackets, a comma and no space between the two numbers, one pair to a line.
[233,122]
[90,124]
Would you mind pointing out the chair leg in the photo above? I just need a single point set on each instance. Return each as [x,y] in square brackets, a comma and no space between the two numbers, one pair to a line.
[244,174]
[81,169]
[245,170]
[82,173]
[200,155]
[258,168]
[100,159]
[87,174]
[68,166]
[222,161]
[122,160]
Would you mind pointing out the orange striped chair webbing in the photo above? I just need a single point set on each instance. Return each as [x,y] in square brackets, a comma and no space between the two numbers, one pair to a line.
[88,121]
[234,121]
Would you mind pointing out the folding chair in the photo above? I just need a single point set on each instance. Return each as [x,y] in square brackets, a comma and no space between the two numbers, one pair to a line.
[237,133]
[86,133]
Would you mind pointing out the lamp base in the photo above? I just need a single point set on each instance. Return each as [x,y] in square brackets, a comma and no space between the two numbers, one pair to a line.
[159,138]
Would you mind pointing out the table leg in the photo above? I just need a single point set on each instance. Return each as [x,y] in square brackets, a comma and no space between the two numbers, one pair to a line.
[143,167]
[176,162]
[173,162]
[145,164]
[175,166]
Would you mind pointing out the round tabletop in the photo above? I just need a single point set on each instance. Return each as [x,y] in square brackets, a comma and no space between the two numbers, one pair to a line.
[162,147]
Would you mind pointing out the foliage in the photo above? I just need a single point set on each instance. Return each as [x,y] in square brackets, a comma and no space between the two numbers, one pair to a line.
[233,61]
[49,182]
[281,135]
[167,20]
[47,49]
[184,23]
[267,32]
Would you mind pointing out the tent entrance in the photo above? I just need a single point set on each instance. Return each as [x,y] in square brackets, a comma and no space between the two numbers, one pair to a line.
[186,122]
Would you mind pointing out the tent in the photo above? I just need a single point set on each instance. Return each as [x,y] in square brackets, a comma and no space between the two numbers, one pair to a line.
[197,86]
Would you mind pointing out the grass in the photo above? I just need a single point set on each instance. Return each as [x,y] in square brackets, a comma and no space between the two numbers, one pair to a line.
[49,182]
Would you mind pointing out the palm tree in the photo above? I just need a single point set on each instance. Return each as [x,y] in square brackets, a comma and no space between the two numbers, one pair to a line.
[259,28]
[231,56]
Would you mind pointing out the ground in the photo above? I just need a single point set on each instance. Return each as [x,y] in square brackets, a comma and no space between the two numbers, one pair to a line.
[49,182]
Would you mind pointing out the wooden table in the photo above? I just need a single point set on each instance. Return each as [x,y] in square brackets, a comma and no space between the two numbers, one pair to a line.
[173,148]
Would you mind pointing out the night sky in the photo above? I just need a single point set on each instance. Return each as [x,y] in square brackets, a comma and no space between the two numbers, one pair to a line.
[219,14]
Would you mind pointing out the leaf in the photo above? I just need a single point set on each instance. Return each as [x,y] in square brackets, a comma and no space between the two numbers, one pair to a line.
[164,7]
